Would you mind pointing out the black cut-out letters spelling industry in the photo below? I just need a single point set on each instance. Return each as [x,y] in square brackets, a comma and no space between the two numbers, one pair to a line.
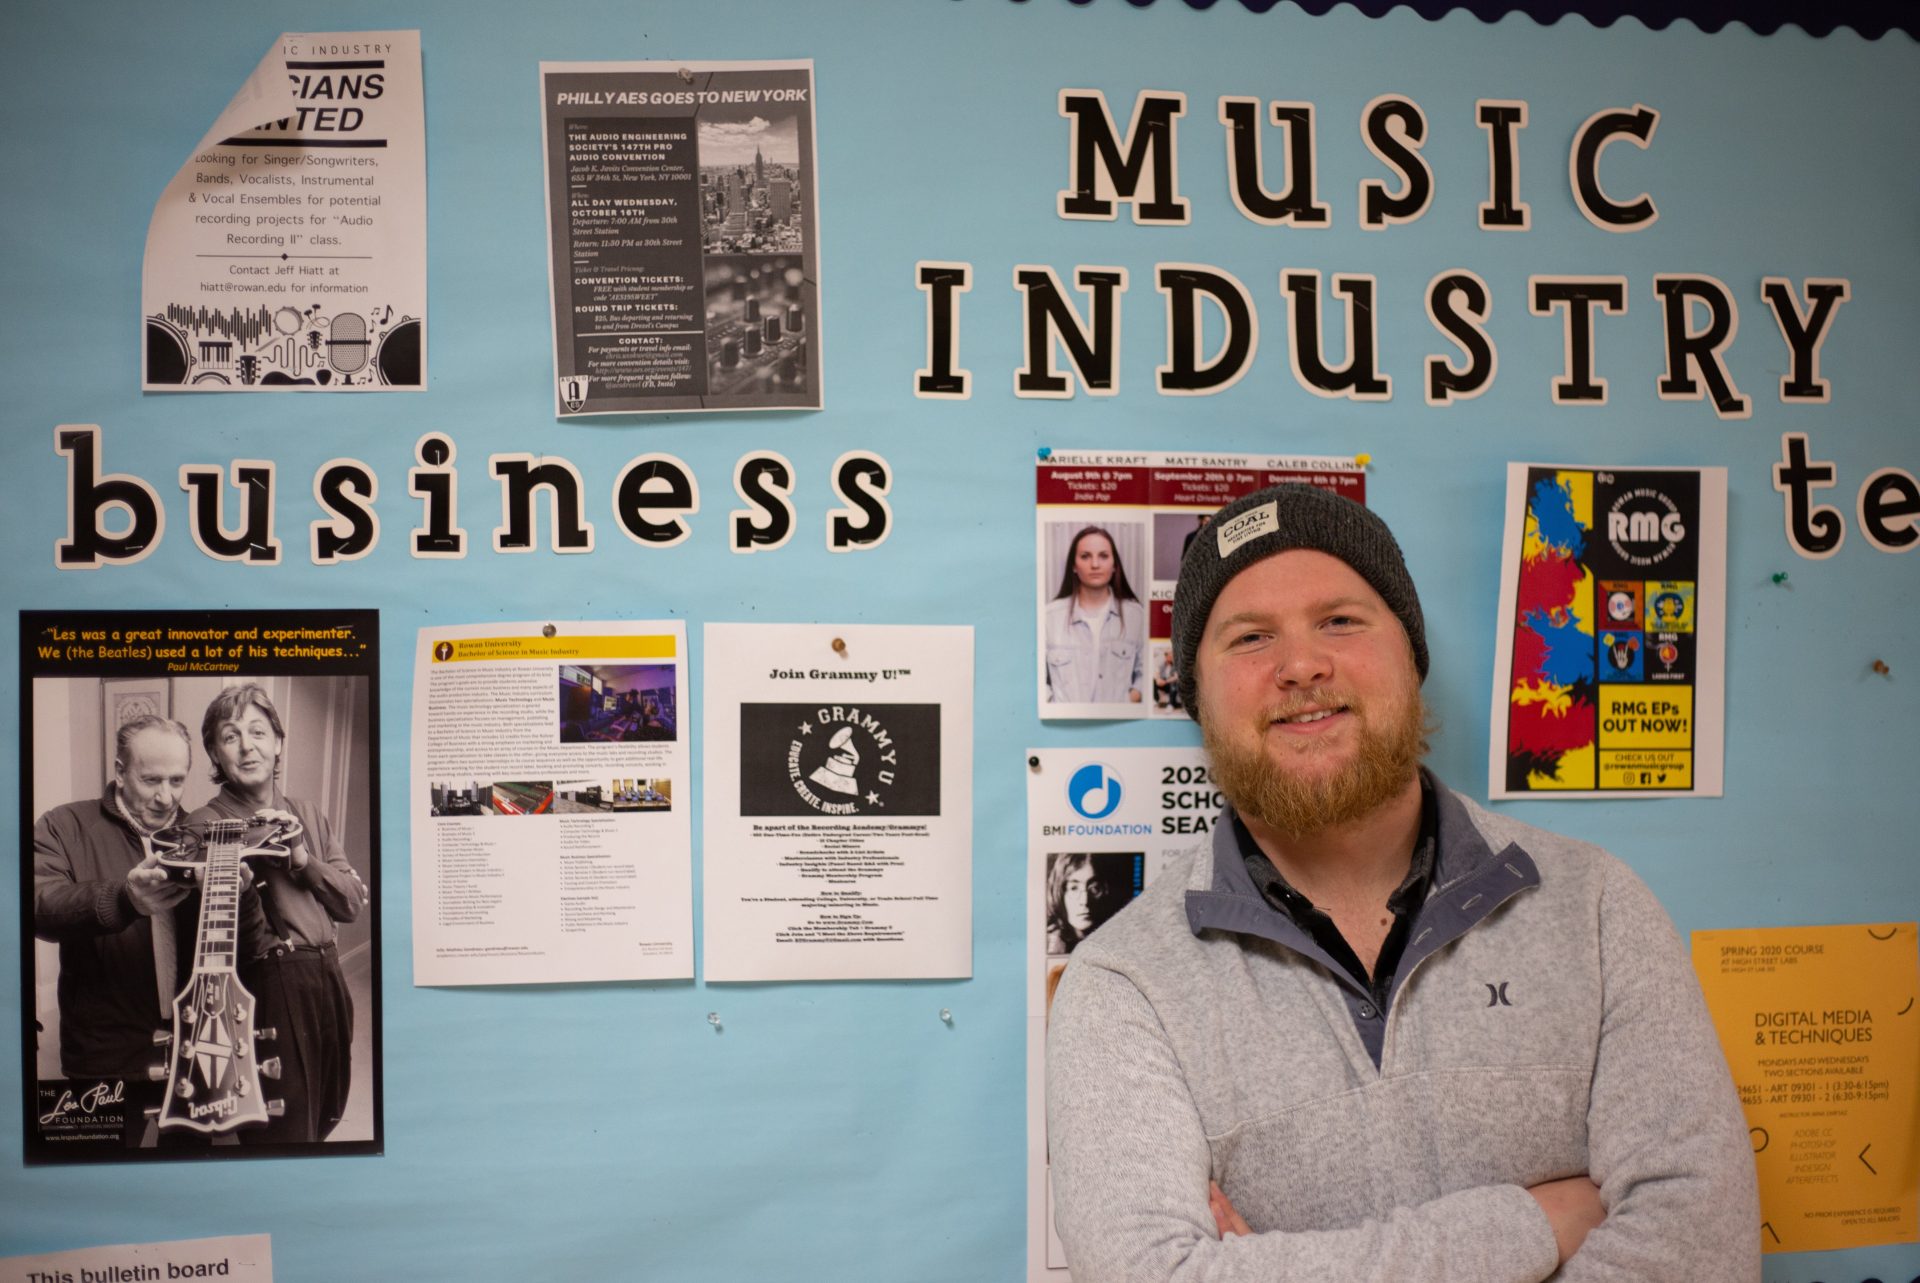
[1071,346]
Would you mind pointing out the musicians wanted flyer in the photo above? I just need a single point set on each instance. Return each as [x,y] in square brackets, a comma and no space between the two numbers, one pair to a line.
[839,802]
[174,1006]
[289,253]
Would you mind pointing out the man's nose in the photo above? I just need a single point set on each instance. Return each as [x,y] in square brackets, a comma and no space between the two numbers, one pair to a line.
[1302,663]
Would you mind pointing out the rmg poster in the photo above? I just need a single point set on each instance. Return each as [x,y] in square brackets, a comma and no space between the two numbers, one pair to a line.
[1608,680]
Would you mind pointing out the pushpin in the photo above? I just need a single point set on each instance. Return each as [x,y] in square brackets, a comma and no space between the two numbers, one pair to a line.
[548,631]
[1880,667]
[840,647]
[1033,761]
[1779,577]
[1046,452]
[713,1018]
[1363,459]
[946,1016]
[686,75]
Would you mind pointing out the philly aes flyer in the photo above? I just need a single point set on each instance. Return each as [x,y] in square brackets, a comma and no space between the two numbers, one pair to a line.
[683,230]
[1611,640]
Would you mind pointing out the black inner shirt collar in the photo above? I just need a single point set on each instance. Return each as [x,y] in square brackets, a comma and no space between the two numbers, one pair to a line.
[1404,903]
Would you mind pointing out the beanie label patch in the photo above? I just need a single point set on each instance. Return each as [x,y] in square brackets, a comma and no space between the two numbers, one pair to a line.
[1251,524]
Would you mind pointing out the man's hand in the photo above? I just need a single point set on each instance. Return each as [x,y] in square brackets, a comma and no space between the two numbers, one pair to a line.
[298,855]
[151,890]
[1225,1219]
[1573,1208]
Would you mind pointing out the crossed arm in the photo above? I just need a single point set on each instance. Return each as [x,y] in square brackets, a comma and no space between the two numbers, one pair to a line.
[1670,1193]
[1132,1171]
[1572,1207]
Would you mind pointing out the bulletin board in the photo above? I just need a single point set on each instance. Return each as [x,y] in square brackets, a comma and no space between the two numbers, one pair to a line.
[848,1130]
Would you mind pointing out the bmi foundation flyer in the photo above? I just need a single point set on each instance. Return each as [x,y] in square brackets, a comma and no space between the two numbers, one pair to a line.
[1101,823]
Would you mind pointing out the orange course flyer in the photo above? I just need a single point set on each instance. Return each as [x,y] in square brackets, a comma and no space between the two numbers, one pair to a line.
[1822,1033]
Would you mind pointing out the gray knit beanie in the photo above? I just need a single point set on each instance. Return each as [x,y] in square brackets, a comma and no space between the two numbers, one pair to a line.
[1278,519]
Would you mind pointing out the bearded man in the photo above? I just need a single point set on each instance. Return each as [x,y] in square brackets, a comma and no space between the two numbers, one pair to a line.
[1372,1030]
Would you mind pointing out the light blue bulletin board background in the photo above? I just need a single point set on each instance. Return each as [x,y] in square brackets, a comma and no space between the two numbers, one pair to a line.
[841,1130]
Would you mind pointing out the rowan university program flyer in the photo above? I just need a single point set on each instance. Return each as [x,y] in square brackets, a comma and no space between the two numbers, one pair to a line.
[289,253]
[551,840]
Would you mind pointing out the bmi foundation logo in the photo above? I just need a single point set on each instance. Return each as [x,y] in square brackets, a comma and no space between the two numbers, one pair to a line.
[1094,790]
[840,759]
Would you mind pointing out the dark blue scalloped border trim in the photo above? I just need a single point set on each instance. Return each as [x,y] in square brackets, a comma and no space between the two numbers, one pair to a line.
[1870,18]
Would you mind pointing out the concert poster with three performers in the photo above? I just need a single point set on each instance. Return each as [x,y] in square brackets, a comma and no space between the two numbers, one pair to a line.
[199,882]
[1112,528]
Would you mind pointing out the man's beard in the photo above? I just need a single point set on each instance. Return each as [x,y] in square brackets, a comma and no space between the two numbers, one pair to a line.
[1299,803]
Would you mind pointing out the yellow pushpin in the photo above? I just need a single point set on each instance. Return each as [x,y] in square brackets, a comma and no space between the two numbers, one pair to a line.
[1363,459]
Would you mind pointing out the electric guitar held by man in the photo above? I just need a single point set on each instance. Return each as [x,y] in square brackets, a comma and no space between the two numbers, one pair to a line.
[211,1069]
